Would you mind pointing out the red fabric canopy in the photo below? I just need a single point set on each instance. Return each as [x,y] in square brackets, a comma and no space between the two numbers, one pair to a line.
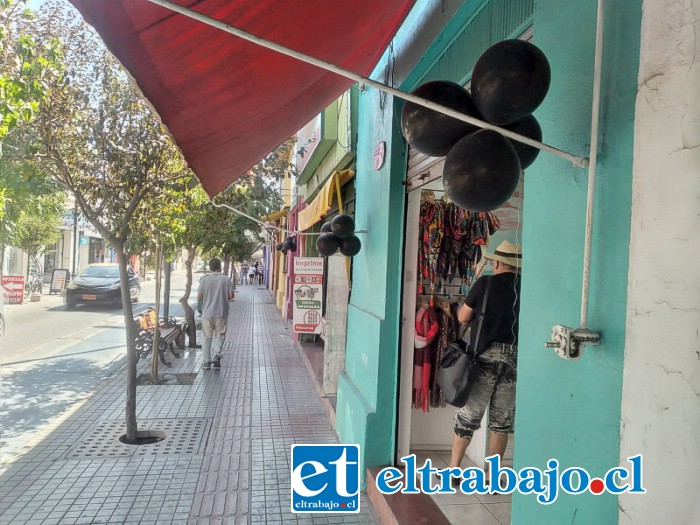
[229,102]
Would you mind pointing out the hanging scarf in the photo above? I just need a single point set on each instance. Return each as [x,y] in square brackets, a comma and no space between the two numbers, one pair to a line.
[447,334]
[427,328]
[456,235]
[431,231]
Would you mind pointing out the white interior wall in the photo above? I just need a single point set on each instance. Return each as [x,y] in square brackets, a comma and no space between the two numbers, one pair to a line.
[661,392]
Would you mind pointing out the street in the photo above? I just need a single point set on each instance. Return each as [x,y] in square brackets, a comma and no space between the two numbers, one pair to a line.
[53,359]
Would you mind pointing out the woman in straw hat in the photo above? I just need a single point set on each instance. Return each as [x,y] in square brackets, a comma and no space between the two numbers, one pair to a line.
[494,384]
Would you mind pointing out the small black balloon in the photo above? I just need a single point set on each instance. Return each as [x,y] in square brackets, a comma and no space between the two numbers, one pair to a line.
[291,243]
[529,127]
[510,80]
[434,133]
[343,225]
[350,246]
[327,244]
[281,248]
[481,171]
[326,228]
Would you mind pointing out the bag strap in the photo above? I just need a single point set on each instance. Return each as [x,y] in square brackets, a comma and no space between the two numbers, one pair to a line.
[482,315]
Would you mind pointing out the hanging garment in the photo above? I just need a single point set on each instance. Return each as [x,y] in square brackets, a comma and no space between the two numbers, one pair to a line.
[431,232]
[427,328]
[447,333]
[456,236]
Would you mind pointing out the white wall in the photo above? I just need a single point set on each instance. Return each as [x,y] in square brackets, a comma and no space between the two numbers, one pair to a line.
[661,393]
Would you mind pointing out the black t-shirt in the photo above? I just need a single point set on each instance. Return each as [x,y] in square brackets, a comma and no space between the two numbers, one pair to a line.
[502,309]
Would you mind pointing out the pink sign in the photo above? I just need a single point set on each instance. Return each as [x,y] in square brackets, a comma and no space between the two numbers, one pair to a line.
[378,155]
[12,288]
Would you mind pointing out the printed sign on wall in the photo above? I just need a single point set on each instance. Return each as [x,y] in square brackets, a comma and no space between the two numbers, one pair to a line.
[308,295]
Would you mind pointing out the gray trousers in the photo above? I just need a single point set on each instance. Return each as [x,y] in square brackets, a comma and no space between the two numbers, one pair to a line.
[494,386]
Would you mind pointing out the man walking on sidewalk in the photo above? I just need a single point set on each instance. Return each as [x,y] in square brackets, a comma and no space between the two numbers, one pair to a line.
[214,293]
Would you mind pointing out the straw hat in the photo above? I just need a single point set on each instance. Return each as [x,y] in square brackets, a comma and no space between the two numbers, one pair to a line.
[507,253]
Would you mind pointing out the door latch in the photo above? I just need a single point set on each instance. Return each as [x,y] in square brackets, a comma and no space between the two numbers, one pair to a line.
[568,342]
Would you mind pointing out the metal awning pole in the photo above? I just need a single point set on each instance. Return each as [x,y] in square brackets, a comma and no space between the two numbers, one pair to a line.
[577,160]
[268,225]
[595,117]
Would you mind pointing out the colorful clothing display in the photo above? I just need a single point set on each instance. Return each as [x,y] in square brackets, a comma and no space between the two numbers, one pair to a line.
[449,250]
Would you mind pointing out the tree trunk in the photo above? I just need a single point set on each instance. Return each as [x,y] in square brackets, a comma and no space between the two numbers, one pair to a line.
[184,300]
[227,261]
[131,358]
[156,331]
[167,270]
[144,269]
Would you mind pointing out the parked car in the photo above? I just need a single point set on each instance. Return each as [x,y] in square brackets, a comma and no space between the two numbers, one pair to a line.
[99,283]
[3,322]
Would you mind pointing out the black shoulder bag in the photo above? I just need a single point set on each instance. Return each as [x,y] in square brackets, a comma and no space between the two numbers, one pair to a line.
[455,376]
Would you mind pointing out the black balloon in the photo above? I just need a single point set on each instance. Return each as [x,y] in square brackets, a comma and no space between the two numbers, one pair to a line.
[350,246]
[327,244]
[290,244]
[510,80]
[326,228]
[481,171]
[343,225]
[529,127]
[434,133]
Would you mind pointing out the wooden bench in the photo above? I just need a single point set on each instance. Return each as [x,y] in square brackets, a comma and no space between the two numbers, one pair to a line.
[170,330]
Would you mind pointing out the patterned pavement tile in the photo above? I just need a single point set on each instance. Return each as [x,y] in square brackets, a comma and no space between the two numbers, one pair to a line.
[260,403]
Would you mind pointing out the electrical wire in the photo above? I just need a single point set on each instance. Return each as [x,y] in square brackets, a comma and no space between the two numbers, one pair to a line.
[271,226]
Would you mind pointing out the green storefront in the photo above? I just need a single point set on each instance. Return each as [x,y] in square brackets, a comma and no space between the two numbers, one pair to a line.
[567,410]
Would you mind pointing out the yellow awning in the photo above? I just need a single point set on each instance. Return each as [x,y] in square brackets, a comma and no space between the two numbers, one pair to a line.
[276,215]
[321,204]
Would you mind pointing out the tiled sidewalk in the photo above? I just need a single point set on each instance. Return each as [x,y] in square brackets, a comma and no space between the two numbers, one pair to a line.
[227,456]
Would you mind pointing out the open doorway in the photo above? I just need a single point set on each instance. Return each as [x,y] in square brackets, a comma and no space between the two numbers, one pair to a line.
[426,423]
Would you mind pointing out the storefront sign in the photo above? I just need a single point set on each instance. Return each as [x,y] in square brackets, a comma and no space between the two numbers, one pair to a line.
[12,288]
[308,295]
[59,280]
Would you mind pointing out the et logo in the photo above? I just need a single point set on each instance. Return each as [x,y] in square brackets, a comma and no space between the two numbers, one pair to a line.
[325,478]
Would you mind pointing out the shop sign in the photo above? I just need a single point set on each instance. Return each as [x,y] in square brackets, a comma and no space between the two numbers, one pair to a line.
[59,280]
[308,294]
[308,137]
[12,288]
[378,155]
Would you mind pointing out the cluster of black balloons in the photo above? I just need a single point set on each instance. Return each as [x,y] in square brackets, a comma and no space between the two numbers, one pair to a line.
[482,167]
[338,234]
[290,243]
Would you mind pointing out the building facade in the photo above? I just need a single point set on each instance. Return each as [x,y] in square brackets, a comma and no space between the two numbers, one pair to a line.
[635,392]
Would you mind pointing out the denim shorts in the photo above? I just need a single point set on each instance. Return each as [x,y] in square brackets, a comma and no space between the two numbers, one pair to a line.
[494,386]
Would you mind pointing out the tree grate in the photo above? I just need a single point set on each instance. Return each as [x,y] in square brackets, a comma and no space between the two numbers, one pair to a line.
[183,436]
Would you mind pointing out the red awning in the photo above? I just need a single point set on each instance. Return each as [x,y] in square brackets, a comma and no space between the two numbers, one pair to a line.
[229,102]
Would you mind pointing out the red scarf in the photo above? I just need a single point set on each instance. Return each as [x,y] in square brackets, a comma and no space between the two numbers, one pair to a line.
[427,328]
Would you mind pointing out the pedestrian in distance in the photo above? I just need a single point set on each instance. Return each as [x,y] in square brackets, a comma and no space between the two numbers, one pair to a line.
[244,273]
[252,272]
[214,293]
[261,272]
[494,383]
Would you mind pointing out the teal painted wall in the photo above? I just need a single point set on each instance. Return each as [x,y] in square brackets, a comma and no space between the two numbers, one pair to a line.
[366,403]
[367,389]
[571,410]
